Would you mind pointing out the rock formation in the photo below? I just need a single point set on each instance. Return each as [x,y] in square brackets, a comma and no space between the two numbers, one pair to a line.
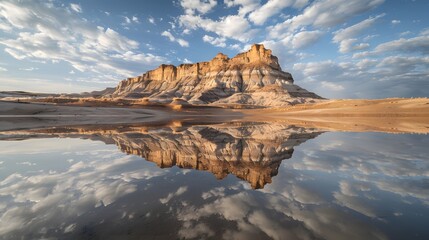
[254,78]
[252,152]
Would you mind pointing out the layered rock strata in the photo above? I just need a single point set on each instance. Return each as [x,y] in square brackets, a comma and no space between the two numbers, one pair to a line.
[253,77]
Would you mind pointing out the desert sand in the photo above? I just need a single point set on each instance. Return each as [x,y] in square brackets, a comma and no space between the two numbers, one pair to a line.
[394,115]
[385,115]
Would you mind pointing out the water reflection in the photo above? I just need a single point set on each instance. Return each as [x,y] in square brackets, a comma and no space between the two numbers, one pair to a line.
[55,183]
[250,151]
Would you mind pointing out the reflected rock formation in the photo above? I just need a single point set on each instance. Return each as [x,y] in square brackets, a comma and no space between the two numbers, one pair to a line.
[251,151]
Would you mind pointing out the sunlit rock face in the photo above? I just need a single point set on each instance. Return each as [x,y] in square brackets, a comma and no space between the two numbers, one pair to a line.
[253,77]
[252,152]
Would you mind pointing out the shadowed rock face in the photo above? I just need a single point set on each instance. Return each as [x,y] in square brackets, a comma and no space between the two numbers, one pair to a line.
[252,152]
[253,77]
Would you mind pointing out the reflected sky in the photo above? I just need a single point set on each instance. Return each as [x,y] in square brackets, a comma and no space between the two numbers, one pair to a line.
[331,186]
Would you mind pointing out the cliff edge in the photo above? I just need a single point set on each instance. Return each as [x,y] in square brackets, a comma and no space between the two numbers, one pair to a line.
[250,78]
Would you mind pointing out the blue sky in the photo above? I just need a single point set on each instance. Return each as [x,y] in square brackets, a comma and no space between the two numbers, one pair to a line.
[336,48]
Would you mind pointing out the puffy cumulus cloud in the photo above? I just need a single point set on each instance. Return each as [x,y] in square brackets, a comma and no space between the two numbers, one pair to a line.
[305,38]
[372,162]
[325,13]
[232,26]
[398,76]
[218,42]
[172,38]
[399,67]
[246,6]
[245,25]
[44,31]
[201,6]
[349,45]
[346,36]
[94,177]
[273,7]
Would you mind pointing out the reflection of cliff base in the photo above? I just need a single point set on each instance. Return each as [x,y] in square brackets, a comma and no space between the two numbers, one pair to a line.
[252,153]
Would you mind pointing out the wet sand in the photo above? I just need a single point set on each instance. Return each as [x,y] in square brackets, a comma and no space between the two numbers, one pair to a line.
[385,115]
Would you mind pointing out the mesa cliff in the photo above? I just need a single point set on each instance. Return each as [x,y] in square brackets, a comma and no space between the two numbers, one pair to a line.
[250,78]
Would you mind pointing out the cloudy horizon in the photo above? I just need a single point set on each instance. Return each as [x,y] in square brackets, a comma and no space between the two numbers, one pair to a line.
[336,48]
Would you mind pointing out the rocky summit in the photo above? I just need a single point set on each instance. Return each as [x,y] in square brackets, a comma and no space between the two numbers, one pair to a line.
[250,78]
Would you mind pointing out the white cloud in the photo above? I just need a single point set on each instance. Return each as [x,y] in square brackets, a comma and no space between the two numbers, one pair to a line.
[180,41]
[396,22]
[246,6]
[135,19]
[129,20]
[271,8]
[424,32]
[201,6]
[2,69]
[349,45]
[186,31]
[232,26]
[305,38]
[151,20]
[411,45]
[5,26]
[76,7]
[332,86]
[346,37]
[49,33]
[187,60]
[168,35]
[355,30]
[324,13]
[29,69]
[218,42]
[398,76]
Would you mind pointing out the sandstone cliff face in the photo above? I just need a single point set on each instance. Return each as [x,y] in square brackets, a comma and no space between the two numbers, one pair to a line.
[252,152]
[243,79]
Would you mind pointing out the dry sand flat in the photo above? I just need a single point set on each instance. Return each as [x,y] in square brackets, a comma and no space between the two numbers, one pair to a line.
[359,107]
[384,115]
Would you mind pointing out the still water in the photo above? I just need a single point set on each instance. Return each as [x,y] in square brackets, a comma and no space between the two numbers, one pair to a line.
[243,181]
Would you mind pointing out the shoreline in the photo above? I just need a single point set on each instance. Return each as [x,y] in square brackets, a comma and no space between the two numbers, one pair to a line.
[385,115]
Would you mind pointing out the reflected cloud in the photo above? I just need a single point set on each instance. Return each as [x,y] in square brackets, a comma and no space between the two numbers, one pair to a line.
[250,151]
[337,186]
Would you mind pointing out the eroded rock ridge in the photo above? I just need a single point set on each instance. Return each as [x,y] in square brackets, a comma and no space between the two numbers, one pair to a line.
[253,78]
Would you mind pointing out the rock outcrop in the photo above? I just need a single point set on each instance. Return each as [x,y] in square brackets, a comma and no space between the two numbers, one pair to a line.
[252,152]
[254,78]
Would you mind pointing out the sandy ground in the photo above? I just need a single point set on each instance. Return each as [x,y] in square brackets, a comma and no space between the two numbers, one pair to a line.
[15,115]
[385,115]
[356,107]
